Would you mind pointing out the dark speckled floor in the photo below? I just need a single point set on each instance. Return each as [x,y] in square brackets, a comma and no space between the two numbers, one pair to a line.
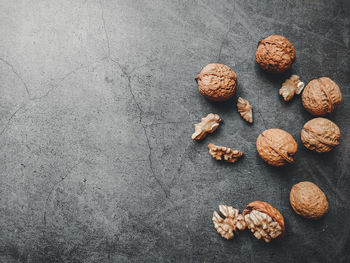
[98,101]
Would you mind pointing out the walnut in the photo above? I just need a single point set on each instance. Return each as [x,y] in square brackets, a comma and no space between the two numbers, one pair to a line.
[207,125]
[320,135]
[276,147]
[245,109]
[308,200]
[275,54]
[321,96]
[221,152]
[291,87]
[217,82]
[233,221]
[264,220]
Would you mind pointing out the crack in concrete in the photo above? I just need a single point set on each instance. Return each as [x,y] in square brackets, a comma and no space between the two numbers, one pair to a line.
[11,117]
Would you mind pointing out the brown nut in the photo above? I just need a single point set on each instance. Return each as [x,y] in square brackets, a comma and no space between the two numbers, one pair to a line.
[276,147]
[275,54]
[308,200]
[217,82]
[321,96]
[320,135]
[264,220]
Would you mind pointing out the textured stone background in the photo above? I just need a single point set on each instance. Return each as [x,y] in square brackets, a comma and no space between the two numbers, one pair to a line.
[98,101]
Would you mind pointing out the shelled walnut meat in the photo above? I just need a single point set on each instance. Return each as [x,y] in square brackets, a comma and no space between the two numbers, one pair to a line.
[245,109]
[264,220]
[320,135]
[290,87]
[224,153]
[321,96]
[276,147]
[308,200]
[275,54]
[207,125]
[217,82]
[227,226]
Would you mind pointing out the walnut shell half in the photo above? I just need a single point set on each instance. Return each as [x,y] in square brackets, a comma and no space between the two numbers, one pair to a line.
[275,54]
[276,147]
[264,220]
[321,96]
[320,135]
[308,200]
[217,82]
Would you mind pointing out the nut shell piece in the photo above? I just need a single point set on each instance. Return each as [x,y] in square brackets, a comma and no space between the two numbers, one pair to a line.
[245,109]
[267,223]
[275,54]
[224,153]
[217,82]
[291,87]
[308,200]
[207,125]
[321,96]
[233,221]
[276,147]
[320,135]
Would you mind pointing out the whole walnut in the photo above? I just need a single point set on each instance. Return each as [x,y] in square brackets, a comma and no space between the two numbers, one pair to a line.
[321,96]
[275,54]
[320,135]
[308,200]
[217,82]
[276,147]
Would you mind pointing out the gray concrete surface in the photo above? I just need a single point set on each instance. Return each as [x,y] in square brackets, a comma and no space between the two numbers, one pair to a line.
[98,101]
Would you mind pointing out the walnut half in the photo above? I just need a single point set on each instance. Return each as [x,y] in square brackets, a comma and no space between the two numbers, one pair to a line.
[245,109]
[224,153]
[207,125]
[291,87]
[233,221]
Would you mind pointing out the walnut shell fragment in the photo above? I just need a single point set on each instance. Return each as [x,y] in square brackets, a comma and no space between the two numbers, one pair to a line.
[233,221]
[276,147]
[321,96]
[275,54]
[308,200]
[217,82]
[291,87]
[245,109]
[224,153]
[264,221]
[320,135]
[207,125]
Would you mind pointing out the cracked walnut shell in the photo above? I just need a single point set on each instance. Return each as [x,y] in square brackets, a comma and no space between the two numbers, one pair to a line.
[245,109]
[207,125]
[308,200]
[224,153]
[291,87]
[276,147]
[217,82]
[233,221]
[321,96]
[320,135]
[275,54]
[264,220]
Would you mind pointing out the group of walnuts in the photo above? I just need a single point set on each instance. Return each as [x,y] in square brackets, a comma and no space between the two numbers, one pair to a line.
[320,97]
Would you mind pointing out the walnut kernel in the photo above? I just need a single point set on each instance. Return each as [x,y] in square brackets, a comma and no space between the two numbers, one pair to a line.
[224,153]
[291,87]
[245,109]
[207,125]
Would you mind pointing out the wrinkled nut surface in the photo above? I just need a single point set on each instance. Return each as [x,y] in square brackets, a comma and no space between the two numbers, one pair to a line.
[245,109]
[207,125]
[224,153]
[308,200]
[275,54]
[321,96]
[217,82]
[276,147]
[291,87]
[233,221]
[264,220]
[320,135]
